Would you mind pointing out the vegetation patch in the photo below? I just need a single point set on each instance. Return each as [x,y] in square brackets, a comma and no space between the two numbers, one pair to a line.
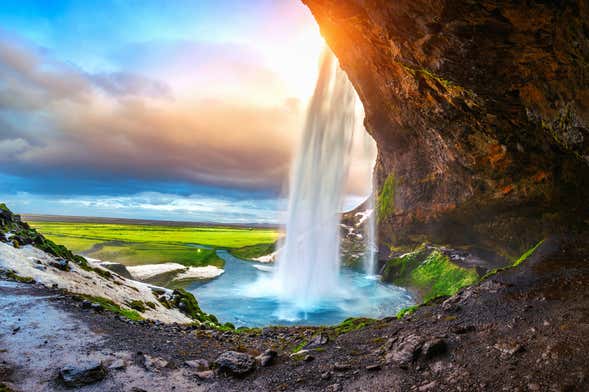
[253,251]
[17,278]
[186,302]
[386,198]
[299,346]
[527,254]
[137,305]
[430,272]
[110,306]
[516,263]
[409,310]
[153,244]
[214,236]
[352,324]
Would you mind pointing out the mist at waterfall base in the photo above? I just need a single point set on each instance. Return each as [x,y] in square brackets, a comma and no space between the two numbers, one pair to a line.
[307,284]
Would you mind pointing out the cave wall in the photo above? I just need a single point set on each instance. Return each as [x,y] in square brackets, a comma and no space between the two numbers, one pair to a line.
[480,110]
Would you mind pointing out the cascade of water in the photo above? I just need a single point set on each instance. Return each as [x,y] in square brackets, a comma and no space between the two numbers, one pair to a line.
[370,238]
[309,261]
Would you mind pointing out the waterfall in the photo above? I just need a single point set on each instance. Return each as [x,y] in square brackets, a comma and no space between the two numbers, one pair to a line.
[370,237]
[309,262]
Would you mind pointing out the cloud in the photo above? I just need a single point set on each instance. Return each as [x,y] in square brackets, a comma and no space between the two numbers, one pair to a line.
[12,147]
[125,84]
[127,125]
[151,205]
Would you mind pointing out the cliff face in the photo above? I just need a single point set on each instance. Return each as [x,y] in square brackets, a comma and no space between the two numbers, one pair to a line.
[480,111]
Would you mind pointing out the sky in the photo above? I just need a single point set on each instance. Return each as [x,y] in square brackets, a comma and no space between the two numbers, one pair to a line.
[182,110]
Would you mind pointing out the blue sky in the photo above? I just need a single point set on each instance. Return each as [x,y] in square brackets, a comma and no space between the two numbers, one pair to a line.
[187,110]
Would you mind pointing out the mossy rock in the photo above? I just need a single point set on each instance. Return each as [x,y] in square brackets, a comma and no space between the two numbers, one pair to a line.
[21,279]
[352,324]
[110,306]
[429,272]
[137,305]
[186,302]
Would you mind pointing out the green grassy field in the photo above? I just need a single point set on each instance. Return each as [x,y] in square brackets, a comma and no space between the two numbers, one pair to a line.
[151,244]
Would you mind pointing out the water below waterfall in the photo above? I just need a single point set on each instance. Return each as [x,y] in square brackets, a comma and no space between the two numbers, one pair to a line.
[236,297]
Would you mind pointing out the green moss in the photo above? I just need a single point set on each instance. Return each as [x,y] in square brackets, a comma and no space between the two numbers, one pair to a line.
[151,304]
[516,263]
[102,272]
[186,302]
[110,306]
[3,387]
[22,279]
[527,254]
[352,324]
[407,311]
[299,346]
[253,251]
[430,272]
[386,198]
[137,305]
[448,85]
[60,251]
[441,276]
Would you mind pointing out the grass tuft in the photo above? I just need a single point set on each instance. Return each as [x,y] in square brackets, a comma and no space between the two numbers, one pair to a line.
[110,306]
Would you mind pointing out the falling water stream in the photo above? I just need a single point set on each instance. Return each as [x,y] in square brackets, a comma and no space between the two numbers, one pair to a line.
[307,285]
[309,262]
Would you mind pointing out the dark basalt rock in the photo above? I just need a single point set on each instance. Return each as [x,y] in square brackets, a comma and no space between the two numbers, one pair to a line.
[318,340]
[405,351]
[234,363]
[60,264]
[267,358]
[480,111]
[434,347]
[81,374]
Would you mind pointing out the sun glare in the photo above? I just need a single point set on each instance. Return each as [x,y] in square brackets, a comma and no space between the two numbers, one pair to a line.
[297,64]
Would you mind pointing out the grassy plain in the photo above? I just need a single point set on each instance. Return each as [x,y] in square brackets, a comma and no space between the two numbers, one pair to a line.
[151,244]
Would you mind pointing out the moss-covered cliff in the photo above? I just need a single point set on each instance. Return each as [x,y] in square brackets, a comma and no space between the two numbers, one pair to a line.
[480,111]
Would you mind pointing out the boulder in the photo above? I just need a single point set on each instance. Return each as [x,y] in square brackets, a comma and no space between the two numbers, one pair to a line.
[60,264]
[235,363]
[405,351]
[198,364]
[118,364]
[205,375]
[267,358]
[317,341]
[84,373]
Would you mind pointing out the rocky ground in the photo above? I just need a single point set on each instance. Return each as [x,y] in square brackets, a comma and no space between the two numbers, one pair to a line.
[522,329]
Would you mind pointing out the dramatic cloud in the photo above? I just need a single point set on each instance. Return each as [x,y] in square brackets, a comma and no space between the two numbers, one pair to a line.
[127,124]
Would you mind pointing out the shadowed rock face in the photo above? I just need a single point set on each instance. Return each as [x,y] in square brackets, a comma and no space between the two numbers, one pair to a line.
[480,111]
